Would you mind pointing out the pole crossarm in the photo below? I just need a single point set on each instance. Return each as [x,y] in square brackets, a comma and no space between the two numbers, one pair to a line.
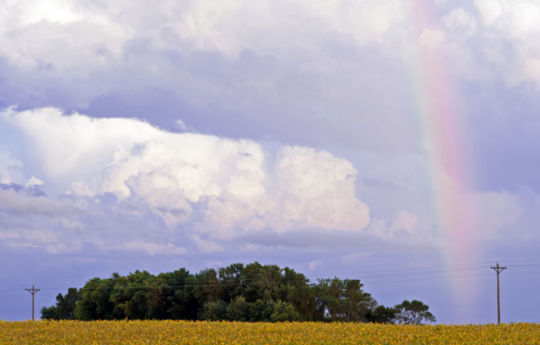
[498,268]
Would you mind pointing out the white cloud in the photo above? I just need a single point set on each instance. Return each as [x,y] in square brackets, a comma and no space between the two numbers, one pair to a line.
[489,10]
[206,246]
[510,43]
[314,265]
[242,188]
[321,188]
[182,126]
[494,212]
[79,145]
[47,239]
[405,221]
[232,26]
[229,26]
[511,18]
[403,226]
[34,182]
[183,55]
[17,13]
[431,37]
[57,48]
[459,20]
[151,248]
[10,168]
[180,175]
[306,189]
[134,38]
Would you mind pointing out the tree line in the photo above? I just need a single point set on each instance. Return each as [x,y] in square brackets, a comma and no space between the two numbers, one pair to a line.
[253,292]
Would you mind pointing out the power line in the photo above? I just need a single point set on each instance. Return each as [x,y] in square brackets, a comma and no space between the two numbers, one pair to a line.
[413,274]
[419,270]
[423,276]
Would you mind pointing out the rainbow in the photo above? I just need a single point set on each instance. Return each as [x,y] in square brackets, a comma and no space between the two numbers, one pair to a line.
[438,106]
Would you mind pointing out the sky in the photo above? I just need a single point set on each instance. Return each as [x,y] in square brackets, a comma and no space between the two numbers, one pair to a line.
[395,142]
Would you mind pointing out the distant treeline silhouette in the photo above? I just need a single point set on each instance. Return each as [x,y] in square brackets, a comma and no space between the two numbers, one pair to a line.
[253,292]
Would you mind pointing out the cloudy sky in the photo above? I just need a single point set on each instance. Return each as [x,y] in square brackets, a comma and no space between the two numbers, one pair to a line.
[395,142]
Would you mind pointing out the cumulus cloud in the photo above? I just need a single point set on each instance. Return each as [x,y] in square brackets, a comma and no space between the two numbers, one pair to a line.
[222,187]
[320,187]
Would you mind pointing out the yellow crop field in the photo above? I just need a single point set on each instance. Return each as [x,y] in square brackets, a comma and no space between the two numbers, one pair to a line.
[186,332]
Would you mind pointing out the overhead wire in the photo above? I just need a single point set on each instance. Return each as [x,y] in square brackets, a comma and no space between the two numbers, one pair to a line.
[413,274]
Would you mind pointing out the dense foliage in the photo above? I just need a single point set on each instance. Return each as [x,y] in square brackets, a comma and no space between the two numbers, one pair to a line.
[236,333]
[253,292]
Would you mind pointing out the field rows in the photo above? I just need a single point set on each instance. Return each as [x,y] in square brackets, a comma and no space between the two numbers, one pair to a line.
[184,332]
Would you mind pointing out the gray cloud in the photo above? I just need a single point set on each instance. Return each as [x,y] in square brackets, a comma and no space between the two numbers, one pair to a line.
[339,240]
[12,201]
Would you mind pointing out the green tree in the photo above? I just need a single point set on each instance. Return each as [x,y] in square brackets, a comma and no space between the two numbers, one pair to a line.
[382,314]
[49,313]
[283,311]
[261,282]
[413,312]
[64,308]
[130,296]
[295,289]
[230,279]
[178,287]
[95,303]
[213,311]
[259,311]
[238,309]
[342,300]
[207,287]
[253,292]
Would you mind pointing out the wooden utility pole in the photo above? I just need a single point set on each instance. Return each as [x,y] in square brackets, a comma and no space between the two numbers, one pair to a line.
[498,269]
[33,291]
